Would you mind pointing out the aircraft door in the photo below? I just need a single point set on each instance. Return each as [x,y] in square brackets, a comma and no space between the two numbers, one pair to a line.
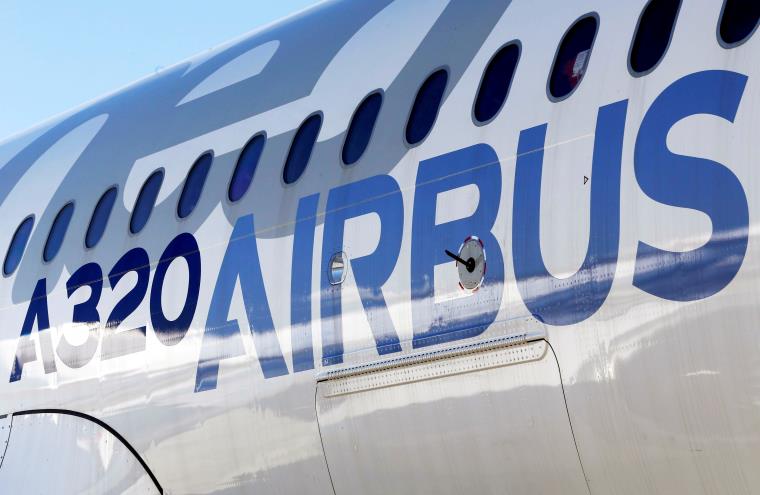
[63,452]
[483,417]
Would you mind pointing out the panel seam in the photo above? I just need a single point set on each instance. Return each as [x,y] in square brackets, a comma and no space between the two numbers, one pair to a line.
[569,421]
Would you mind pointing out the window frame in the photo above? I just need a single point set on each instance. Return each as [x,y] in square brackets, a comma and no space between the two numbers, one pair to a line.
[177,216]
[593,14]
[519,46]
[722,43]
[378,91]
[631,70]
[139,193]
[321,115]
[262,135]
[92,215]
[447,69]
[33,219]
[65,233]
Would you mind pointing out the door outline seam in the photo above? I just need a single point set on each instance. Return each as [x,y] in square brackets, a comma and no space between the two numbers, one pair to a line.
[8,439]
[569,421]
[321,440]
[103,425]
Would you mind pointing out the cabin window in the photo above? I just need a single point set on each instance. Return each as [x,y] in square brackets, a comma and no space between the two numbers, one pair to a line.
[738,20]
[301,148]
[572,57]
[425,107]
[496,82]
[100,217]
[245,167]
[58,232]
[360,129]
[653,34]
[196,178]
[145,202]
[17,246]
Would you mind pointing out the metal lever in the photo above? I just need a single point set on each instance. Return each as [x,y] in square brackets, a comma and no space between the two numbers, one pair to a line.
[469,264]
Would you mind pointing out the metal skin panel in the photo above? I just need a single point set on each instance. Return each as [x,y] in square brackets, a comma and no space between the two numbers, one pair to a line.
[623,220]
[506,428]
[61,453]
[663,394]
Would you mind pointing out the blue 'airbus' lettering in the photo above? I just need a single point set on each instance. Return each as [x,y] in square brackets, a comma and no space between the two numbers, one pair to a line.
[444,322]
[696,183]
[569,301]
[666,177]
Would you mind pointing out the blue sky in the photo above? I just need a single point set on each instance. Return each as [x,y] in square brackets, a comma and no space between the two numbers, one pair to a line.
[58,55]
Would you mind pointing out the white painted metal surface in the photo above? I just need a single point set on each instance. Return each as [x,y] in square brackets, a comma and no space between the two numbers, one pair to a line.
[6,421]
[503,411]
[68,455]
[662,391]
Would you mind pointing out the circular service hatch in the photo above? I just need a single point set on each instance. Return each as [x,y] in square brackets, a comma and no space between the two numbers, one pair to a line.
[473,270]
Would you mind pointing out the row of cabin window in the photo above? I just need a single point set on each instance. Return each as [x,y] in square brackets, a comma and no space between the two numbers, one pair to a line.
[738,21]
[360,130]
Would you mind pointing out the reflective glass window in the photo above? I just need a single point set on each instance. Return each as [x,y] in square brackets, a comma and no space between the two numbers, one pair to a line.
[145,202]
[196,179]
[653,34]
[301,148]
[572,57]
[17,246]
[58,232]
[100,217]
[425,107]
[361,127]
[245,167]
[496,82]
[738,20]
